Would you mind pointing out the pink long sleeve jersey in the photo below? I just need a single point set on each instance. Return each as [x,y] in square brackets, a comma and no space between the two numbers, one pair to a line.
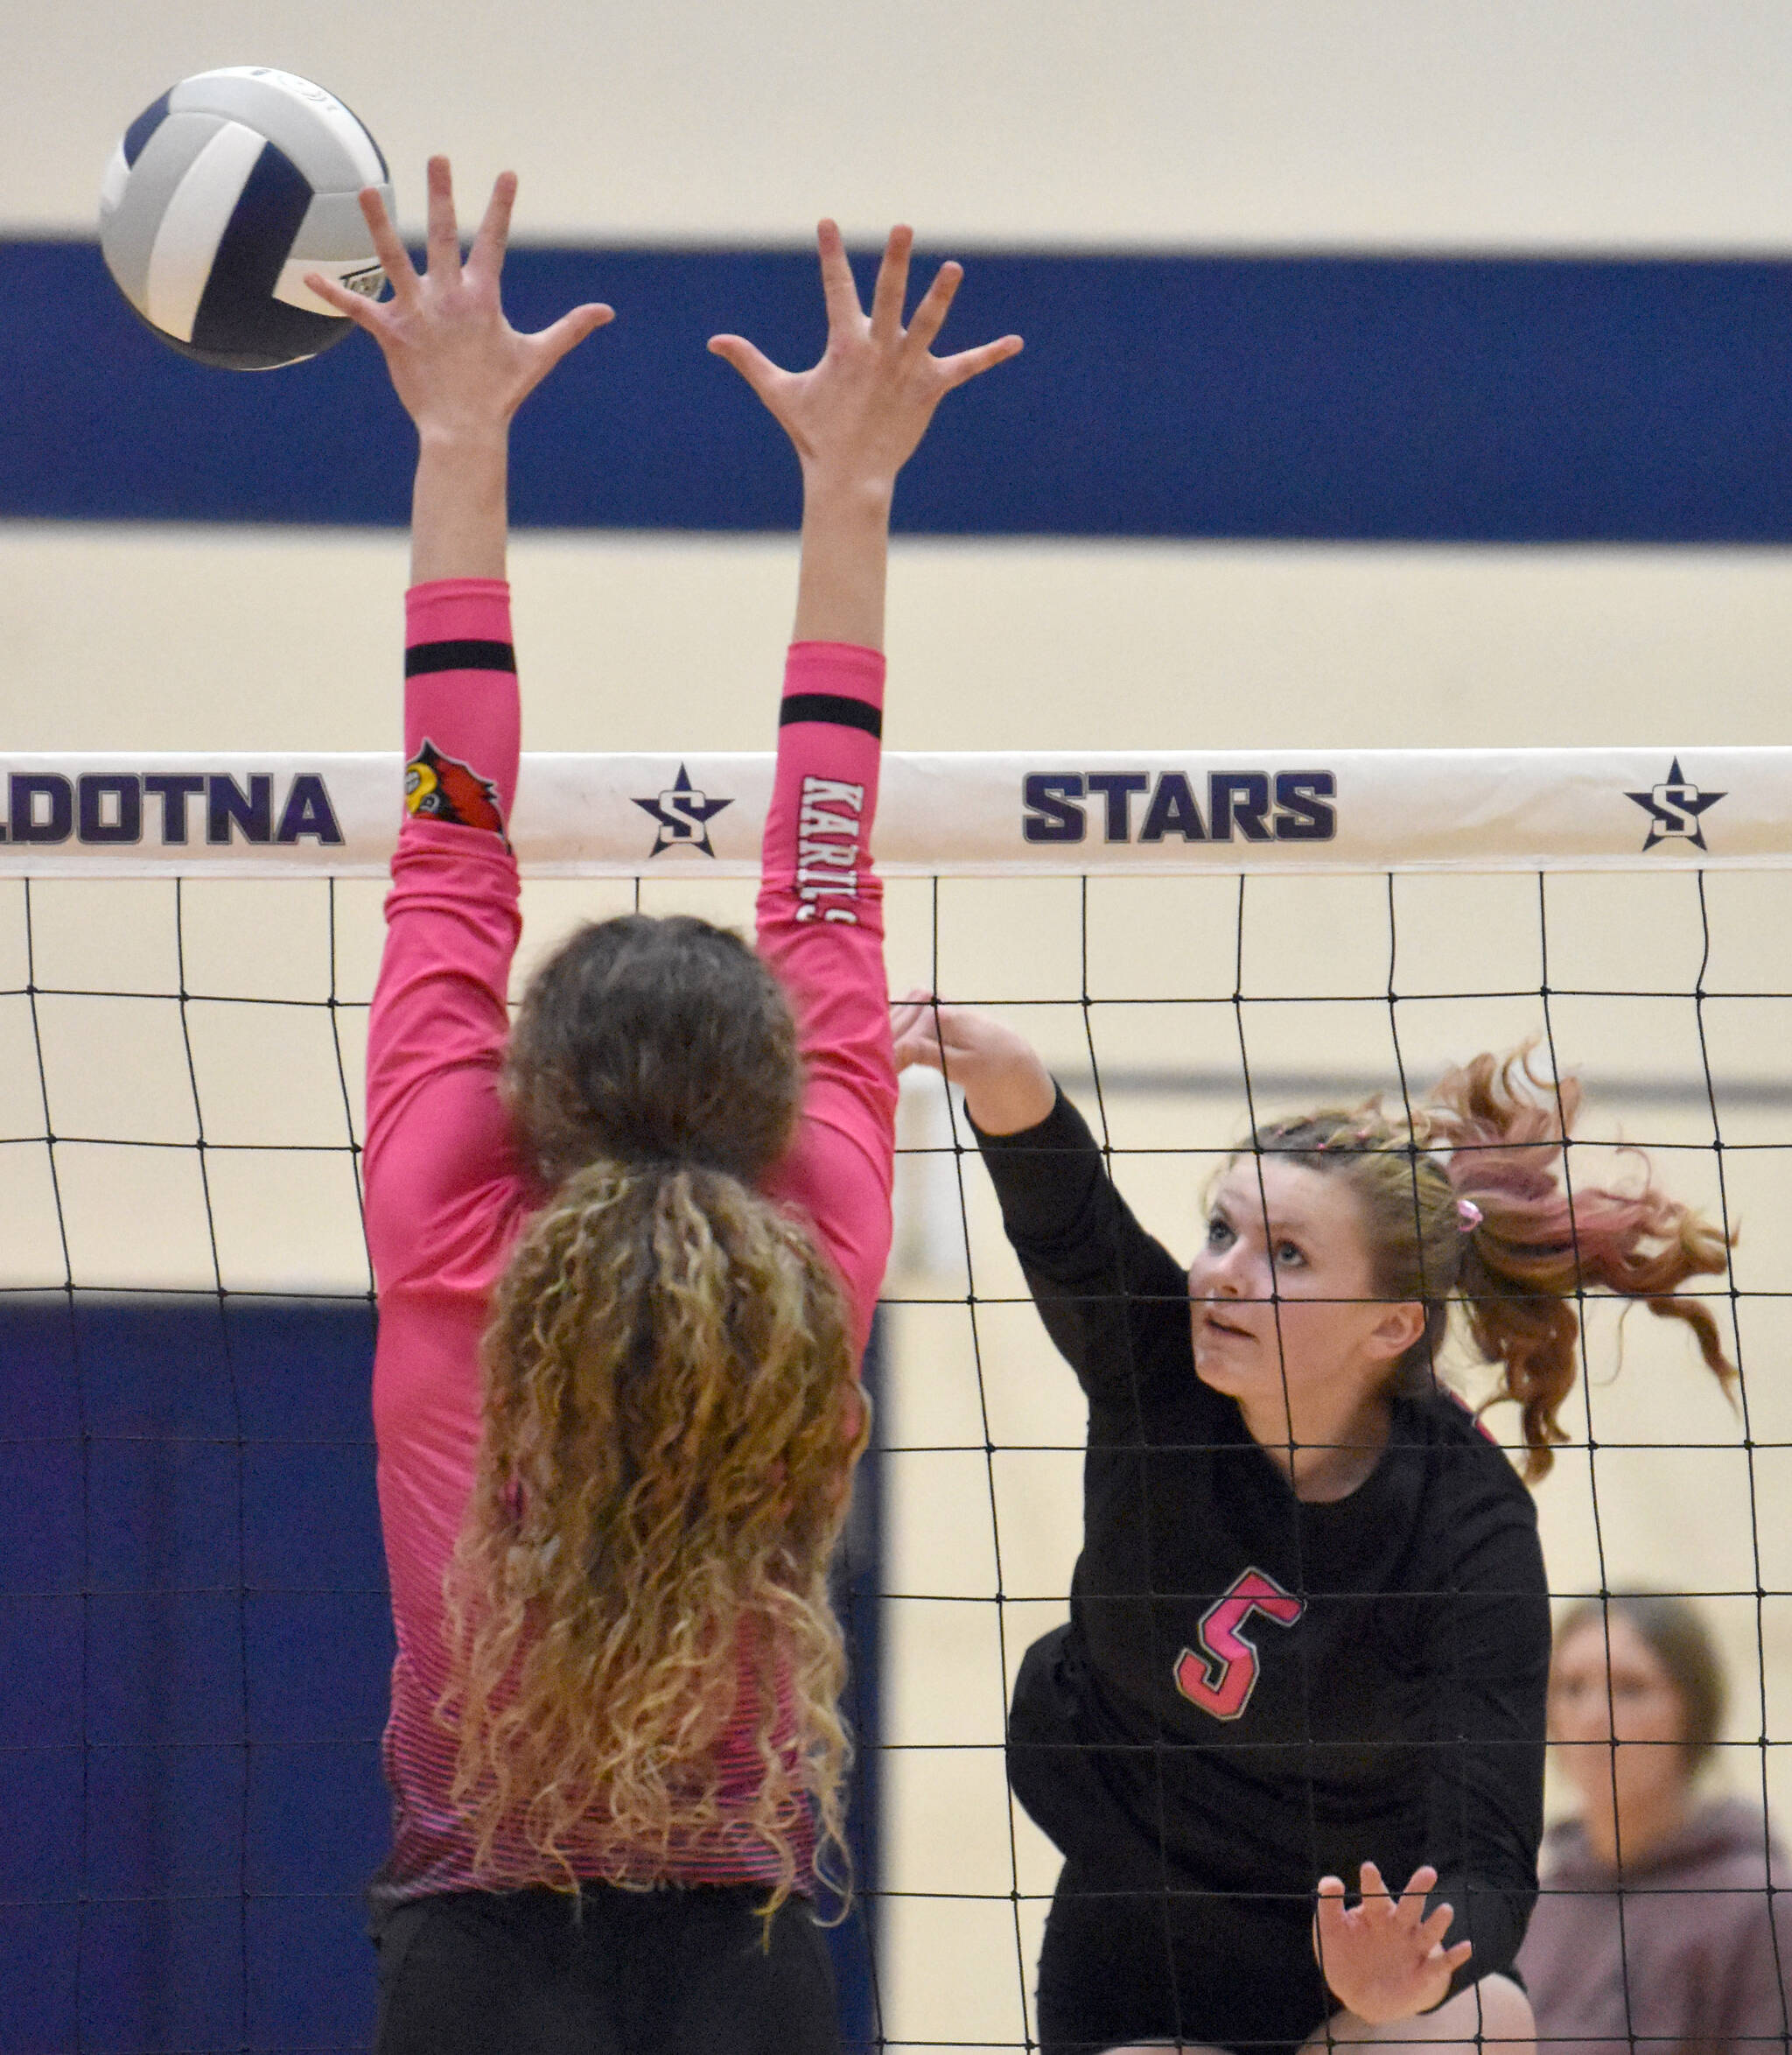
[447,1193]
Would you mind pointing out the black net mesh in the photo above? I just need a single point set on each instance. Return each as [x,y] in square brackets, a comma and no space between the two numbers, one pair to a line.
[191,1579]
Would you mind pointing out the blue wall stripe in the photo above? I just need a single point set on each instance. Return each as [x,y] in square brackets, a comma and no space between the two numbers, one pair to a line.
[1430,399]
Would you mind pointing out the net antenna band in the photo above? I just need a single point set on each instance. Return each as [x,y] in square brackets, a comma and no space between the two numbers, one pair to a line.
[942,815]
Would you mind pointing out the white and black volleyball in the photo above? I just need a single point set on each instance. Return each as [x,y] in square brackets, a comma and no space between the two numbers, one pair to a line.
[222,197]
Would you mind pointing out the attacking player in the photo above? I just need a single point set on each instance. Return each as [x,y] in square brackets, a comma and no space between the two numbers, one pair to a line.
[627,1257]
[1309,1636]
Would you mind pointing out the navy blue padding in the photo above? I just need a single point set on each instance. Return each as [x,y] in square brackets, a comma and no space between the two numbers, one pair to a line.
[1433,399]
[329,1402]
[240,325]
[177,1974]
[164,1818]
[39,1391]
[309,1524]
[40,1801]
[300,1689]
[318,1819]
[40,1536]
[40,1958]
[154,1368]
[143,127]
[200,1601]
[163,1512]
[164,1666]
[195,1653]
[298,1996]
[42,1666]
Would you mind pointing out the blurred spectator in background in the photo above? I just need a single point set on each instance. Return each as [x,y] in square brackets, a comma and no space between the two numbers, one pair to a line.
[1655,1930]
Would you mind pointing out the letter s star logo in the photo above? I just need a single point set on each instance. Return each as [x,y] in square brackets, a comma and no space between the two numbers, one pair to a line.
[1674,808]
[683,814]
[1221,1679]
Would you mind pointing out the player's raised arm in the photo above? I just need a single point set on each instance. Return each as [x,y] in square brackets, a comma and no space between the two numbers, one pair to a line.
[439,1020]
[854,419]
[460,370]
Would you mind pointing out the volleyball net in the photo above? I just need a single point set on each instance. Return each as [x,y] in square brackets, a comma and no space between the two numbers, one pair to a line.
[195,1618]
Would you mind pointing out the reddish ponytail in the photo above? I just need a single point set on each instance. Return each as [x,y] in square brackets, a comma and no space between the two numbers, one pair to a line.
[1470,1203]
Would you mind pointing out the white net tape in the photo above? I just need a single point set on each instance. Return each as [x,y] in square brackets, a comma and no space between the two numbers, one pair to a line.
[1146,815]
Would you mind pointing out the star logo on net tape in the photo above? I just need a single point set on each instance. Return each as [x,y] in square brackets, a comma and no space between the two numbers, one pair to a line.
[683,814]
[1674,808]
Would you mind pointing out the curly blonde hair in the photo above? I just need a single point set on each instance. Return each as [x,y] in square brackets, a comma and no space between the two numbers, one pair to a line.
[671,1419]
[1465,1204]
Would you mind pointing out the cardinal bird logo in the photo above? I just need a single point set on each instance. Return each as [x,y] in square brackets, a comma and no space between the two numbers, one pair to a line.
[439,788]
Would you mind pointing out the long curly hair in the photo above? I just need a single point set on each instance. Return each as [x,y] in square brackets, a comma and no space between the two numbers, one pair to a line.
[1467,1204]
[671,1417]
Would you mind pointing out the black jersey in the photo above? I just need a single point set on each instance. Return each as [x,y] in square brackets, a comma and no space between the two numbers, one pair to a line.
[1253,1692]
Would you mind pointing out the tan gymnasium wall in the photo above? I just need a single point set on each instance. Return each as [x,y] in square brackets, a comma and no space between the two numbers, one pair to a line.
[138,638]
[1357,123]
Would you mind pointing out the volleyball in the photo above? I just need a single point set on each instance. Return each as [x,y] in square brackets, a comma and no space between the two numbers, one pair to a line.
[222,196]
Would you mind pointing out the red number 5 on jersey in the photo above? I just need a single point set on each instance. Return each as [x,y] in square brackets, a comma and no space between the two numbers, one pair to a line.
[1221,1679]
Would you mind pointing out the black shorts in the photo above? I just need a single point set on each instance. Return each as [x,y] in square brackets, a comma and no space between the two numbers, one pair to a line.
[1125,1962]
[685,1970]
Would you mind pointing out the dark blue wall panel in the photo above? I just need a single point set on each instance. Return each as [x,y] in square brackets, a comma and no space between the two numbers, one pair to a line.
[1362,399]
[195,1645]
[192,1767]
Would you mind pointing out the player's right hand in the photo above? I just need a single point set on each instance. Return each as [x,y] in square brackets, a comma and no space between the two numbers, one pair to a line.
[1384,1957]
[1005,1085]
[456,364]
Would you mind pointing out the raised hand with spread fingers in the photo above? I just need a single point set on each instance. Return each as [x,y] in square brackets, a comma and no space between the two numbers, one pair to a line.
[460,369]
[855,419]
[1384,1957]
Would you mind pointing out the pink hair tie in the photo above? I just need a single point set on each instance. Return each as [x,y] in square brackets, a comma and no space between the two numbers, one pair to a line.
[1468,1216]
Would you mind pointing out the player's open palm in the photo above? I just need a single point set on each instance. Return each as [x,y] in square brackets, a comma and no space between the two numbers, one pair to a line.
[1384,1957]
[456,364]
[858,414]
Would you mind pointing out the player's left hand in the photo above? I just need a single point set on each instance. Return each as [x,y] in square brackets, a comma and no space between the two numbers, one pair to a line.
[857,417]
[1383,1957]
